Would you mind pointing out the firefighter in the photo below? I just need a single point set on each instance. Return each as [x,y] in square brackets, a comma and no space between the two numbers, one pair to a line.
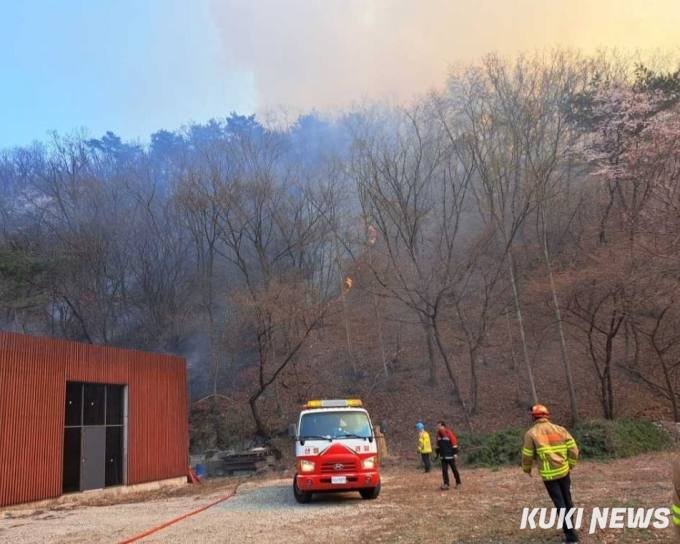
[447,449]
[424,446]
[675,507]
[557,453]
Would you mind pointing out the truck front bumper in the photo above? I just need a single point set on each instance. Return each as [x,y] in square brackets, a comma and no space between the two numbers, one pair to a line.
[320,483]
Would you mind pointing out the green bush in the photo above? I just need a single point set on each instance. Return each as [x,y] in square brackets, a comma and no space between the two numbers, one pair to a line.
[596,440]
[632,437]
[621,438]
[492,449]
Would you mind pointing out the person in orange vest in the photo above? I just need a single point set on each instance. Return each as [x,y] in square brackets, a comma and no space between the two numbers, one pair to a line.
[557,453]
[424,446]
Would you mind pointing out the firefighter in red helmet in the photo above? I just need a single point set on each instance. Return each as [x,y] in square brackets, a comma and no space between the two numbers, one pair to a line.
[556,452]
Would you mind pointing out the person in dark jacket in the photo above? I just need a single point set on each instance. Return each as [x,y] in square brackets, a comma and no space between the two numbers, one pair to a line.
[447,449]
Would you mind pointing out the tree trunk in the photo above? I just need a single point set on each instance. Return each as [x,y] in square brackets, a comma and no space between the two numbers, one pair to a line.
[378,318]
[348,336]
[213,355]
[345,319]
[215,415]
[381,340]
[669,387]
[452,375]
[560,328]
[513,358]
[212,325]
[609,392]
[603,393]
[611,398]
[260,429]
[427,330]
[520,322]
[474,381]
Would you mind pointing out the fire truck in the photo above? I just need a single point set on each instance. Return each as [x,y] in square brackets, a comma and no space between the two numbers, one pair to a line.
[335,450]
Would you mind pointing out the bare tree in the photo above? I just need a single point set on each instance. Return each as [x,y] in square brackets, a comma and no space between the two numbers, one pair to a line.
[478,301]
[600,311]
[659,326]
[199,194]
[412,184]
[549,139]
[491,99]
[273,233]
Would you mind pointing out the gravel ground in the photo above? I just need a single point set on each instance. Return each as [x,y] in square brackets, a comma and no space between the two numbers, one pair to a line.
[269,513]
[260,512]
[92,523]
[411,508]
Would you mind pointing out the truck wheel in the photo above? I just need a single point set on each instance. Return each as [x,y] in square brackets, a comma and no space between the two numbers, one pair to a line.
[303,497]
[370,492]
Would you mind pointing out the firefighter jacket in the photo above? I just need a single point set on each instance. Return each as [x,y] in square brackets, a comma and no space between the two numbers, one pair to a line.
[424,445]
[676,494]
[553,447]
[447,443]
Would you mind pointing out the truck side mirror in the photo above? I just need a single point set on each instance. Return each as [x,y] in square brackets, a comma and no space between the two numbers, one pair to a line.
[383,427]
[292,431]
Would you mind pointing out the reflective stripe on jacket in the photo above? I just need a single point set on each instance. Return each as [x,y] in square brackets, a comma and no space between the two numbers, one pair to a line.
[424,445]
[553,447]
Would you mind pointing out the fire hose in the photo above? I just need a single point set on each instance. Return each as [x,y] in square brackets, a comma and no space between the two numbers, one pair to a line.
[153,530]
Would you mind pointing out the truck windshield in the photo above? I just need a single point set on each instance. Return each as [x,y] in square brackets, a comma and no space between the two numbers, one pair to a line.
[331,425]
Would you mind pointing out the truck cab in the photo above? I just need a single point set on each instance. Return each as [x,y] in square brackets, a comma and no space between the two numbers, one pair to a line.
[335,450]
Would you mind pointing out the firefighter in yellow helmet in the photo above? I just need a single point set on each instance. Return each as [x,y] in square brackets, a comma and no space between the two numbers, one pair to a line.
[556,454]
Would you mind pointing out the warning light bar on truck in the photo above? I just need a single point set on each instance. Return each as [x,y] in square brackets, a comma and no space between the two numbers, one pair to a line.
[334,403]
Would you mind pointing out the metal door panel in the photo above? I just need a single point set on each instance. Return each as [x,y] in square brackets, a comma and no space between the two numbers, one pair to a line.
[93,458]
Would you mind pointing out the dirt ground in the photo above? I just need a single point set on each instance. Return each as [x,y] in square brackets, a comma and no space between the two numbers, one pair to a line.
[411,509]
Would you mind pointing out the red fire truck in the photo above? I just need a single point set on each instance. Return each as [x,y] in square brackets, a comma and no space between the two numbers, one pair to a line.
[335,450]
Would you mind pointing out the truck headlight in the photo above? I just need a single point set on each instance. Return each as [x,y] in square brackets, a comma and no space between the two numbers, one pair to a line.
[306,466]
[369,463]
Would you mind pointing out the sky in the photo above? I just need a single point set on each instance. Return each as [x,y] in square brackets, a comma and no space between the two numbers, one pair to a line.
[136,66]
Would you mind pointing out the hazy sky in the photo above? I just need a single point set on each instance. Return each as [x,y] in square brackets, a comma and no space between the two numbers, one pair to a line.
[135,66]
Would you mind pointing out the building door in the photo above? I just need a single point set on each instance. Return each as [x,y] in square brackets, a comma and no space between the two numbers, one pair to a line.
[94,436]
[93,458]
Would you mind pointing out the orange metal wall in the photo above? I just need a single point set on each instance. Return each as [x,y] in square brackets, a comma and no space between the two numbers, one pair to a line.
[33,376]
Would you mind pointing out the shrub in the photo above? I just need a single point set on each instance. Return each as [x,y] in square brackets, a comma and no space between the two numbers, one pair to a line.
[632,437]
[596,439]
[492,449]
[621,438]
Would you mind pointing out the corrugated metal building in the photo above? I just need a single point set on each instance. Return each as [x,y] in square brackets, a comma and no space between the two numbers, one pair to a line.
[76,416]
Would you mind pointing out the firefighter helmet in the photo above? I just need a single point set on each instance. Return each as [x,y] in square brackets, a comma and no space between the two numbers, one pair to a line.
[538,410]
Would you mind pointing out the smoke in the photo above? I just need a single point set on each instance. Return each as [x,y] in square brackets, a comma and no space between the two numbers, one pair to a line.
[304,54]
